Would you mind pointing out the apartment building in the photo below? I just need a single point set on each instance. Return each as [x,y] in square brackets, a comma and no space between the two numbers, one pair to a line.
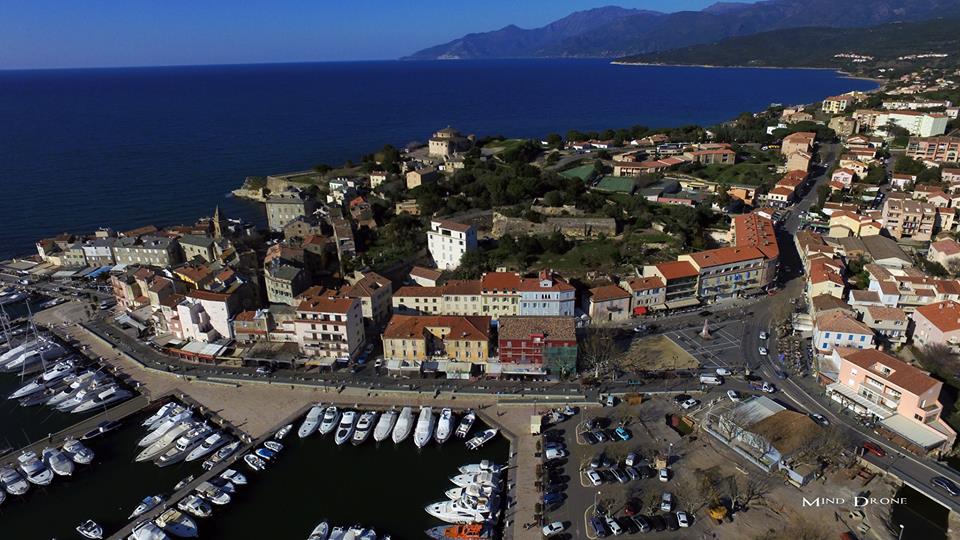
[286,206]
[754,230]
[538,344]
[329,329]
[840,329]
[646,293]
[147,250]
[837,104]
[728,272]
[448,241]
[801,141]
[412,340]
[903,399]
[375,293]
[680,279]
[937,324]
[934,149]
[905,218]
[889,324]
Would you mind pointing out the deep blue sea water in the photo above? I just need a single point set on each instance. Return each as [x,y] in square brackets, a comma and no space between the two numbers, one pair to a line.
[81,149]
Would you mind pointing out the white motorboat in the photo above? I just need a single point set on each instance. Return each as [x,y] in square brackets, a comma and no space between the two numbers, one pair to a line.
[484,466]
[183,482]
[320,532]
[364,427]
[161,413]
[368,534]
[471,490]
[224,484]
[45,380]
[184,445]
[213,494]
[177,523]
[84,395]
[212,442]
[273,445]
[13,482]
[163,427]
[480,479]
[424,430]
[337,533]
[255,462]
[384,425]
[481,439]
[102,428]
[146,505]
[81,381]
[345,429]
[195,505]
[220,455]
[331,417]
[265,453]
[466,424]
[90,529]
[311,422]
[16,352]
[234,476]
[78,452]
[353,533]
[34,469]
[404,425]
[103,399]
[58,461]
[445,425]
[282,432]
[455,512]
[169,438]
[148,530]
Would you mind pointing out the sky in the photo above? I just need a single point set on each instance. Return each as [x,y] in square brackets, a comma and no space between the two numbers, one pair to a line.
[38,34]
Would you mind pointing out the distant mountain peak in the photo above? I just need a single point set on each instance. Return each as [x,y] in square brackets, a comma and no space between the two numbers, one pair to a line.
[613,31]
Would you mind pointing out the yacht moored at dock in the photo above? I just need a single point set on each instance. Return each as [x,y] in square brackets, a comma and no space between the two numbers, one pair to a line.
[404,425]
[311,422]
[331,417]
[445,425]
[385,425]
[424,430]
[364,428]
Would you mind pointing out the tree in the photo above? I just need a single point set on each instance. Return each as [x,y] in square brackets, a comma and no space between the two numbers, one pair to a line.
[555,140]
[753,487]
[599,351]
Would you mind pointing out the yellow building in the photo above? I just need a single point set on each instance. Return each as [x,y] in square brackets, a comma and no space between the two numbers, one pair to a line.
[414,338]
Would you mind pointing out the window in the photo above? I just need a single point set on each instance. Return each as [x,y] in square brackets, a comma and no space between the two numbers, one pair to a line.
[826,335]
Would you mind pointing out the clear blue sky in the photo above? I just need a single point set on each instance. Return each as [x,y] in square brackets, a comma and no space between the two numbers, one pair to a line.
[87,33]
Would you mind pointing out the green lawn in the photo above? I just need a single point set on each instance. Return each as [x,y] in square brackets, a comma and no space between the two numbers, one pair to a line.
[582,172]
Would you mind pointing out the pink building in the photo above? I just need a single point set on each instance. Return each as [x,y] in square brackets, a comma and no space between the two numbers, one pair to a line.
[903,399]
[937,324]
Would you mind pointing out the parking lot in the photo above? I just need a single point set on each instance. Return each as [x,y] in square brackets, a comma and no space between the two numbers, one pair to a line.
[619,478]
[723,349]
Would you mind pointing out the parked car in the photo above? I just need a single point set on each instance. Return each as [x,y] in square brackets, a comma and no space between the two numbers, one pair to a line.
[762,350]
[764,335]
[600,436]
[599,527]
[666,501]
[672,522]
[658,523]
[597,461]
[632,473]
[664,475]
[642,523]
[724,372]
[945,484]
[554,444]
[733,395]
[610,400]
[711,379]
[614,527]
[683,519]
[680,398]
[623,434]
[631,459]
[554,528]
[689,404]
[264,370]
[594,477]
[820,419]
[874,449]
[553,498]
[590,438]
[555,453]
[620,476]
[768,387]
[632,507]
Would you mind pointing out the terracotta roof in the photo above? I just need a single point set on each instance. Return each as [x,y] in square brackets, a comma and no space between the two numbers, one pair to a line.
[245,316]
[677,270]
[827,302]
[452,225]
[865,296]
[801,136]
[500,281]
[947,246]
[904,375]
[605,293]
[413,291]
[757,231]
[645,284]
[786,430]
[533,284]
[821,271]
[839,321]
[944,315]
[782,191]
[884,313]
[475,328]
[725,255]
[470,287]
[208,295]
[557,328]
[326,304]
[426,273]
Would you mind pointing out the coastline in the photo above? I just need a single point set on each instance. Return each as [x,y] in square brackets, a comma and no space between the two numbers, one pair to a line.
[846,74]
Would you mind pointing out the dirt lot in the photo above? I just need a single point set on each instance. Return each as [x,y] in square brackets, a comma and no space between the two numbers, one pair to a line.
[658,353]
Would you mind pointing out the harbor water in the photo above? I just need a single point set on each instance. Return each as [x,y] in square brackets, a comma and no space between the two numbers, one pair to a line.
[383,486]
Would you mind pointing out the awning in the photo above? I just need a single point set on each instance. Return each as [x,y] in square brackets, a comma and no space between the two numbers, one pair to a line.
[321,361]
[199,348]
[522,369]
[640,310]
[403,365]
[123,318]
[456,367]
[851,395]
[919,434]
[686,302]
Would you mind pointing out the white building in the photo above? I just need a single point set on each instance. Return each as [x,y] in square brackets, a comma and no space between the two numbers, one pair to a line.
[919,124]
[329,329]
[547,296]
[448,241]
[206,316]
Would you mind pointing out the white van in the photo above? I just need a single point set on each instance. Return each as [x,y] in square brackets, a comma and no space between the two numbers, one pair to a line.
[711,379]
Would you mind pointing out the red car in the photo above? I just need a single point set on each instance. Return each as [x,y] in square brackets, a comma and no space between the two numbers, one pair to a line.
[874,449]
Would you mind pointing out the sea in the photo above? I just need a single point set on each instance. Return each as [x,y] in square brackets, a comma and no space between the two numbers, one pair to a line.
[82,149]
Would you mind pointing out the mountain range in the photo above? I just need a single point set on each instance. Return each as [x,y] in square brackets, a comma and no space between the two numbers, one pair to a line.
[611,31]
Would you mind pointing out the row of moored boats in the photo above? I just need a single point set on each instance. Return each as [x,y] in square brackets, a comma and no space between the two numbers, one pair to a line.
[474,499]
[324,531]
[175,434]
[357,427]
[40,470]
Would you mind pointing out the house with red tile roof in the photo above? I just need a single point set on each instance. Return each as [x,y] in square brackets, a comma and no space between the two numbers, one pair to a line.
[455,344]
[839,329]
[937,324]
[607,303]
[944,252]
[329,329]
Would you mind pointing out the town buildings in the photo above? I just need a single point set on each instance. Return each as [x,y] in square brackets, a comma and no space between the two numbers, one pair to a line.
[944,149]
[329,329]
[288,205]
[147,250]
[537,345]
